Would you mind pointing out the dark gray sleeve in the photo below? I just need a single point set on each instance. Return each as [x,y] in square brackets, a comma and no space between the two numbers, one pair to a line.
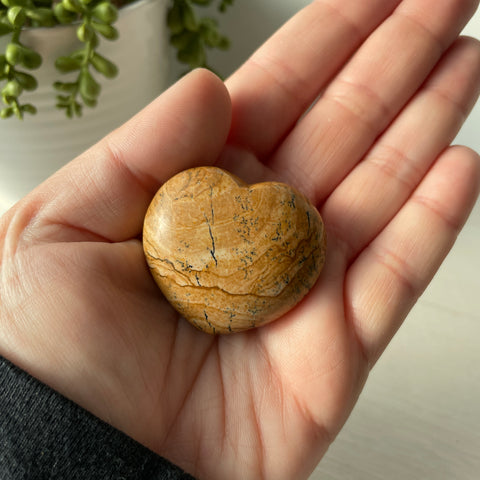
[44,436]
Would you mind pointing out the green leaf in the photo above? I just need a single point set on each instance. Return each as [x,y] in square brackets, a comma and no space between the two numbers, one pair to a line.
[8,99]
[224,4]
[5,28]
[14,53]
[188,17]
[78,55]
[193,54]
[72,109]
[63,15]
[63,100]
[209,32]
[107,31]
[89,88]
[12,89]
[224,43]
[28,108]
[104,66]
[182,39]
[28,82]
[18,112]
[209,23]
[7,112]
[174,19]
[16,16]
[15,3]
[68,87]
[31,59]
[95,41]
[42,16]
[85,32]
[105,12]
[69,111]
[211,35]
[67,64]
[73,6]
[90,102]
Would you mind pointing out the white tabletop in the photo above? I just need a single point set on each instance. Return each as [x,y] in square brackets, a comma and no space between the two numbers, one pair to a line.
[419,415]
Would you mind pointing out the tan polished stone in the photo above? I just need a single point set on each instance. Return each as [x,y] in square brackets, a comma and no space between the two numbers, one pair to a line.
[230,256]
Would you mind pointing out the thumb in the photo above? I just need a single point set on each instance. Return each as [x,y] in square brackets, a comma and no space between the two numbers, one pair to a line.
[105,192]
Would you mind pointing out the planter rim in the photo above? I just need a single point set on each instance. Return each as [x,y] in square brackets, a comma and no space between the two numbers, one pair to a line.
[137,4]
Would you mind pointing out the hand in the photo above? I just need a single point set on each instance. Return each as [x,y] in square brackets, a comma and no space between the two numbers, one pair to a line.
[80,311]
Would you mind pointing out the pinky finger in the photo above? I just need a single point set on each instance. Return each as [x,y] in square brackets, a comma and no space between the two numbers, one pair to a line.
[387,278]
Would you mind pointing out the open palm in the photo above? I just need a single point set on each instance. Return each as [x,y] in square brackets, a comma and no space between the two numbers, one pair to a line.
[80,311]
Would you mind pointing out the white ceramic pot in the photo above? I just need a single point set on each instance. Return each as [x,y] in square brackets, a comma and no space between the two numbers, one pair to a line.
[32,149]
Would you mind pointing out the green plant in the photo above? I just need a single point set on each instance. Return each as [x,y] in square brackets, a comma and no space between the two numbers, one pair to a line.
[191,36]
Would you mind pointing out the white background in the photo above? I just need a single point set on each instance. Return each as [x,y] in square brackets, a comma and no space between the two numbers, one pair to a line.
[419,415]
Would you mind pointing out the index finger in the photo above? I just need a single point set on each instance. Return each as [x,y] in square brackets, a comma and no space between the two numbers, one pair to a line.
[283,77]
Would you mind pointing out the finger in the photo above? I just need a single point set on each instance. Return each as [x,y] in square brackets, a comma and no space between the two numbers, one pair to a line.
[275,86]
[362,205]
[389,275]
[105,192]
[368,93]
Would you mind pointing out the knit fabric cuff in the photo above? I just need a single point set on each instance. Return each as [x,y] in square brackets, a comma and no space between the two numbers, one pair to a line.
[43,435]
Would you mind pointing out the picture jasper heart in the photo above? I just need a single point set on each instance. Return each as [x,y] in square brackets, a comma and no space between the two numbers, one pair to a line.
[230,256]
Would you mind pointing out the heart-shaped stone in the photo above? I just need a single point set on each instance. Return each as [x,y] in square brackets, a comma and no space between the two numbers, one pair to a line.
[230,256]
